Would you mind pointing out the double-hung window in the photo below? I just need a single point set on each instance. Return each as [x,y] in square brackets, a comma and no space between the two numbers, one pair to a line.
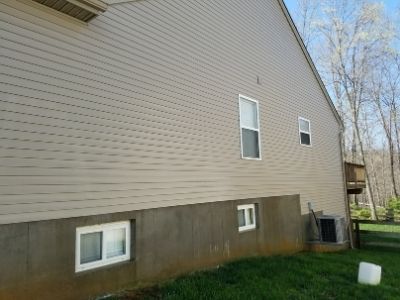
[249,128]
[305,131]
[246,217]
[102,245]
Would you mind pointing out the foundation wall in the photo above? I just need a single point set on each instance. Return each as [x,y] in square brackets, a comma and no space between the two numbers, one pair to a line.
[37,259]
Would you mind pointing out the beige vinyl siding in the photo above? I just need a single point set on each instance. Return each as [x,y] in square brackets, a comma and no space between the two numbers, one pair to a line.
[139,109]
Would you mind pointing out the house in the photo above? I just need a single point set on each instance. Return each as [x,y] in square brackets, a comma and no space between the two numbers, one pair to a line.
[143,139]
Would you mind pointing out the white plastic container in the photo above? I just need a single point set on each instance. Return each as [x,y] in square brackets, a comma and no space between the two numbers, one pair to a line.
[369,273]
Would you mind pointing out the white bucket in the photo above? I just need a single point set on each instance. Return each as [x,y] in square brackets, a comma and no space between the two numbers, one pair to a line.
[369,273]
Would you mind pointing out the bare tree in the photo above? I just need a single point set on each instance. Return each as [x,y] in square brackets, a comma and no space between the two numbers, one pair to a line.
[371,155]
[355,35]
[306,15]
[385,94]
[356,47]
[351,39]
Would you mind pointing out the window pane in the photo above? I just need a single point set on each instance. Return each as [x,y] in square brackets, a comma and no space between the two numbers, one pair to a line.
[250,143]
[91,247]
[305,138]
[116,242]
[248,114]
[304,125]
[250,211]
[241,218]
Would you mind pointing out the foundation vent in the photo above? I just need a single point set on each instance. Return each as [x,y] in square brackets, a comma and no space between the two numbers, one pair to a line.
[332,229]
[83,10]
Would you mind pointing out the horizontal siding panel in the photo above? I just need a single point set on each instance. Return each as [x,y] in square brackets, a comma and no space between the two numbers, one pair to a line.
[174,59]
[76,200]
[101,63]
[13,119]
[20,189]
[139,109]
[120,138]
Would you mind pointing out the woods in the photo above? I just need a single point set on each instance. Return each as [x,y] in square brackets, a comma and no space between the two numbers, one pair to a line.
[356,48]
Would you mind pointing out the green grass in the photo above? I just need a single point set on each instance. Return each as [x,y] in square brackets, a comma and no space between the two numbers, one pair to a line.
[384,235]
[381,238]
[381,228]
[302,276]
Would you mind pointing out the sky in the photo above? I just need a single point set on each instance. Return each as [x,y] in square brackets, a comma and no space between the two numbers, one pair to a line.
[389,4]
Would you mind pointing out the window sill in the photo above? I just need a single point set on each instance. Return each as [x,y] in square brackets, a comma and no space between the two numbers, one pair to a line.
[304,145]
[105,267]
[251,158]
[241,230]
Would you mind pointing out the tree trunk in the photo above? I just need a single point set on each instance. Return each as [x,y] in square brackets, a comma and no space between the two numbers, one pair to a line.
[354,159]
[368,181]
[397,131]
[392,169]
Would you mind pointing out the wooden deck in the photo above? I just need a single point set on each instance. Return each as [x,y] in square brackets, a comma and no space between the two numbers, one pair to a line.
[355,178]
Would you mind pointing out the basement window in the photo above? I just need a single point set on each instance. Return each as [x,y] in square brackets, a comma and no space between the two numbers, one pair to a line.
[102,245]
[305,131]
[246,217]
[249,128]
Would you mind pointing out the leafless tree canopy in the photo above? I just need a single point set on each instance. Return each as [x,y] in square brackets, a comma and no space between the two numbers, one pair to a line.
[356,47]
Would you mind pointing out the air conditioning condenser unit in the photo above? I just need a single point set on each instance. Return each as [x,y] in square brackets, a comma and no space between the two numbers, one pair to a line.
[332,229]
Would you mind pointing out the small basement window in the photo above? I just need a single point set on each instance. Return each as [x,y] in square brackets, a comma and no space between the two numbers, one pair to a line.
[246,217]
[102,245]
[305,131]
[249,128]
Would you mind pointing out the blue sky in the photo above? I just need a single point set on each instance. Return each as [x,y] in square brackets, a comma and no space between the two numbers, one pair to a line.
[389,4]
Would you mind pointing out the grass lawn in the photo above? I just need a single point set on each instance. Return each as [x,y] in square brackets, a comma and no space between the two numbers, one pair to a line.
[381,228]
[380,235]
[301,276]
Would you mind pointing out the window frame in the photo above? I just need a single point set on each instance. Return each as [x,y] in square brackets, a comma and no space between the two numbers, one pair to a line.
[258,130]
[302,131]
[103,228]
[247,226]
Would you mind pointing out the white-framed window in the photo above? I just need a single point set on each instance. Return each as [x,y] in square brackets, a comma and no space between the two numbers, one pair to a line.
[305,131]
[249,128]
[102,245]
[246,217]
